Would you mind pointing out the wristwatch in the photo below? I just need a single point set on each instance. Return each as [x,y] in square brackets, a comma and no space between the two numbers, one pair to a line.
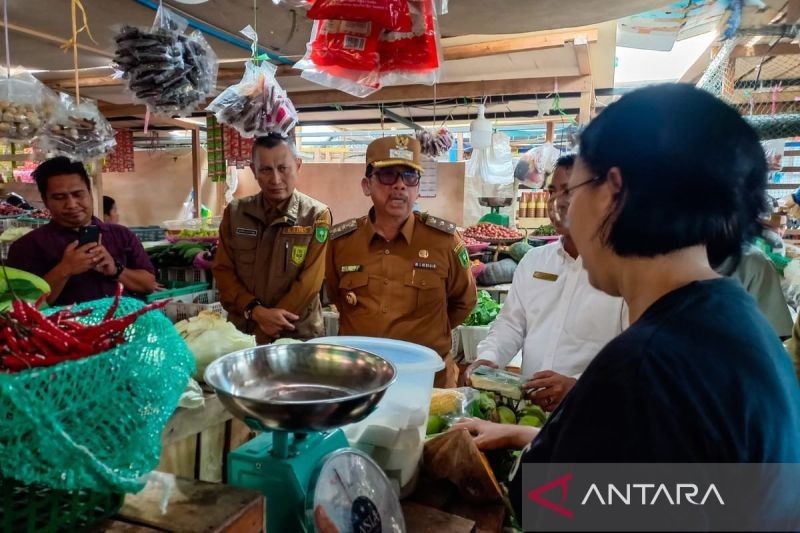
[120,268]
[248,310]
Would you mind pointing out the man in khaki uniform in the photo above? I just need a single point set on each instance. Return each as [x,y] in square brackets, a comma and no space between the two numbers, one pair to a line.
[398,274]
[270,263]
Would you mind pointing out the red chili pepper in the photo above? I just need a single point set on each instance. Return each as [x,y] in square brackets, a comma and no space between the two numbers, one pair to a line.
[18,311]
[113,307]
[15,363]
[44,348]
[118,325]
[50,339]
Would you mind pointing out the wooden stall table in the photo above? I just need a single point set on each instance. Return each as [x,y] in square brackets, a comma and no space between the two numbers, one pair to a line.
[196,442]
[194,506]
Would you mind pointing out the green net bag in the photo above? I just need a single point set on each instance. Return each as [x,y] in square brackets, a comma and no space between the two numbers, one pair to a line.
[95,423]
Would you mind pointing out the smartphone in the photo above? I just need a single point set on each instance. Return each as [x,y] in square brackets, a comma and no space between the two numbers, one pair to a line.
[88,234]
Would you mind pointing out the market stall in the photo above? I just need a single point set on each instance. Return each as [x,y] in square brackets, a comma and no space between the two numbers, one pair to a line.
[154,412]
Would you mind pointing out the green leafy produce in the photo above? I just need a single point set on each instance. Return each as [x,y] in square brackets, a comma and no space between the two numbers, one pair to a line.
[544,231]
[485,311]
[506,415]
[24,285]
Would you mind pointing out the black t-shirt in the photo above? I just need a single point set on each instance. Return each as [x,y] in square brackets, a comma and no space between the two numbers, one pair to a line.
[700,377]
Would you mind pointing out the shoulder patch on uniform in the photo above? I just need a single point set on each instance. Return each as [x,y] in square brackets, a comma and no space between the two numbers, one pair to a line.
[441,225]
[345,228]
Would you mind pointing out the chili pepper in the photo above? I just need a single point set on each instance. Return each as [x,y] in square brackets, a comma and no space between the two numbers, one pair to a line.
[113,307]
[15,363]
[18,311]
[43,348]
[55,342]
[13,344]
[119,324]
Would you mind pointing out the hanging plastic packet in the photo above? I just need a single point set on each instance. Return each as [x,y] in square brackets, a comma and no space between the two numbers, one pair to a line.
[435,143]
[343,55]
[170,72]
[257,105]
[413,57]
[392,15]
[76,130]
[535,164]
[26,105]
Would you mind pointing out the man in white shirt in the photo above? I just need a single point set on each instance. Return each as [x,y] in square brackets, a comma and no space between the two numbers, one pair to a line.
[552,313]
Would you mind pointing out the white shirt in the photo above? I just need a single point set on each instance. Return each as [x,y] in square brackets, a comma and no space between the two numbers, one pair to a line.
[559,325]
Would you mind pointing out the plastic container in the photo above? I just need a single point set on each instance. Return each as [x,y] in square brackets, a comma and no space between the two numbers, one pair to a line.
[394,434]
[471,336]
[480,130]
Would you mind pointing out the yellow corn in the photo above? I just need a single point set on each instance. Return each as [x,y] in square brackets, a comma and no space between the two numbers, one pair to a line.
[445,401]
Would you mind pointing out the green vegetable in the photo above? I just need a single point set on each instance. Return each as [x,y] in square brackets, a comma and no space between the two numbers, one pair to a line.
[486,402]
[506,415]
[436,424]
[21,284]
[534,410]
[530,420]
[486,310]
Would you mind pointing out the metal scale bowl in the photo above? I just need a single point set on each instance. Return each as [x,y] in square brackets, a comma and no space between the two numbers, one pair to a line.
[299,395]
[495,203]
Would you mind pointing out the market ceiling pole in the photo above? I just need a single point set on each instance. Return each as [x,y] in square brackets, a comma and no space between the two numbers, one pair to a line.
[196,172]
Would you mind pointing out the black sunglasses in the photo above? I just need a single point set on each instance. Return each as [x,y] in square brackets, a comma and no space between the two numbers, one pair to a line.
[388,176]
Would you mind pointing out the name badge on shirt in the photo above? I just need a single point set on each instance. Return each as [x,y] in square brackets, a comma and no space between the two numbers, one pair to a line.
[424,266]
[351,268]
[247,232]
[297,230]
[546,276]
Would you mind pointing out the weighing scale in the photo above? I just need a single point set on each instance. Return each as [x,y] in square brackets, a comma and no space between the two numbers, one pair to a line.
[495,217]
[298,395]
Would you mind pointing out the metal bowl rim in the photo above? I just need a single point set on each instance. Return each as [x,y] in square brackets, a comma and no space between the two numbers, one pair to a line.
[340,399]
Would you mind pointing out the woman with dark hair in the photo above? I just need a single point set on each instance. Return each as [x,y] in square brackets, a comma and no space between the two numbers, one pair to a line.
[670,181]
[110,213]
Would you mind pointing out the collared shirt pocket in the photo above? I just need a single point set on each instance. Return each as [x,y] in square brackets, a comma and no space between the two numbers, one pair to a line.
[293,253]
[427,288]
[354,292]
[243,250]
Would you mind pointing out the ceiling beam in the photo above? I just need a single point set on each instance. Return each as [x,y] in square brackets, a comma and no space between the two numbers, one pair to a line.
[466,89]
[581,47]
[53,38]
[516,44]
[765,50]
[224,74]
[407,93]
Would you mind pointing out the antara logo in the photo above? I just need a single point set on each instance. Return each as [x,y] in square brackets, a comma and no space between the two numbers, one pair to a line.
[650,495]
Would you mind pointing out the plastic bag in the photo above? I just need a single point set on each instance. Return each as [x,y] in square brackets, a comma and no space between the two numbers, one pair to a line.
[392,15]
[76,130]
[434,144]
[343,55]
[536,163]
[168,71]
[414,56]
[25,107]
[256,105]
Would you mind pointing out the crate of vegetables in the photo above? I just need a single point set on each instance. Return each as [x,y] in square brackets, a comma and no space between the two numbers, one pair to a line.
[85,392]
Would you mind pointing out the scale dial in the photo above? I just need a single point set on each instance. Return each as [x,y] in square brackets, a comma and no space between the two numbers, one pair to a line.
[356,494]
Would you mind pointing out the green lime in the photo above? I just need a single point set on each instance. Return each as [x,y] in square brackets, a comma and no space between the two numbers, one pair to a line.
[436,424]
[506,415]
[530,420]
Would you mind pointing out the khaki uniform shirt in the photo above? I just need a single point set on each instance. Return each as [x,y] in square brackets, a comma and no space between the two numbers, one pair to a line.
[277,256]
[416,288]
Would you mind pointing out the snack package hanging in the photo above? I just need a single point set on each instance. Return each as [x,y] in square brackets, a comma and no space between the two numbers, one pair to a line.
[535,164]
[435,143]
[256,105]
[343,55]
[25,107]
[170,72]
[412,57]
[392,15]
[76,130]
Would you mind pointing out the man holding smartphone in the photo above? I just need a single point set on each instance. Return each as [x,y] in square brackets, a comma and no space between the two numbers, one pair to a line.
[81,257]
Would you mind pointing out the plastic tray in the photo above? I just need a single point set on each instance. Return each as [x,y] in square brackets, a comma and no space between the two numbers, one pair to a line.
[177,290]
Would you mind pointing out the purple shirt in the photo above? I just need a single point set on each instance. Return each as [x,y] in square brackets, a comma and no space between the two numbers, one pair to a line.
[39,251]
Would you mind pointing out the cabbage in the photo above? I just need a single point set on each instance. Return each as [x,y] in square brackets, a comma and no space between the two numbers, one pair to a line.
[209,337]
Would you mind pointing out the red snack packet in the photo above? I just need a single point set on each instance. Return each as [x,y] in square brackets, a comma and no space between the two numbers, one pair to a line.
[392,15]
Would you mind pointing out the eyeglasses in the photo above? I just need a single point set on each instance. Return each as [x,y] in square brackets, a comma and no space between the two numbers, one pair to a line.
[563,197]
[388,176]
[567,191]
